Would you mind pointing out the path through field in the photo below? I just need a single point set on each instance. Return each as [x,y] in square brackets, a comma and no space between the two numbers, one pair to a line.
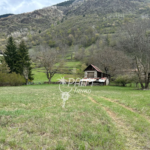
[134,140]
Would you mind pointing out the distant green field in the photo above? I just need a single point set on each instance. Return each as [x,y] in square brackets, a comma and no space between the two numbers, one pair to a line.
[72,64]
[40,75]
[114,118]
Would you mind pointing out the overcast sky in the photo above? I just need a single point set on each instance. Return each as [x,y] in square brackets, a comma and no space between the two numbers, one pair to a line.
[21,6]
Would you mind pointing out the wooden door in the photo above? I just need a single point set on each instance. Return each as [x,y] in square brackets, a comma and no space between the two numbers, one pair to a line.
[90,75]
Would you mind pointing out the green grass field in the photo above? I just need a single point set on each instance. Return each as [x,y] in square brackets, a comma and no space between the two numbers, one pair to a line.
[114,118]
[40,75]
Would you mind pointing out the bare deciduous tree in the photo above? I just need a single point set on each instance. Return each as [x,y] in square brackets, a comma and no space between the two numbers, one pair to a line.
[136,41]
[51,60]
[111,61]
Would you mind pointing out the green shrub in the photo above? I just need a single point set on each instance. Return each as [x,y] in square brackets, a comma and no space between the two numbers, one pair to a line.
[123,80]
[3,78]
[12,79]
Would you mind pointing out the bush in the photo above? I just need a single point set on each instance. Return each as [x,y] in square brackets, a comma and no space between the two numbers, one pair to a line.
[123,80]
[12,79]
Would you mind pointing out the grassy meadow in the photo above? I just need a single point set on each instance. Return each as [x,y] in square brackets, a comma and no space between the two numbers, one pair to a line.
[114,118]
[39,74]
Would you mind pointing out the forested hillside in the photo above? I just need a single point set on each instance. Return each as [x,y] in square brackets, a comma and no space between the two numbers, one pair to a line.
[85,22]
[103,17]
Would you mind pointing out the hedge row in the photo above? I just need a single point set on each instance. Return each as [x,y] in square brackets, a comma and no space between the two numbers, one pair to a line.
[11,79]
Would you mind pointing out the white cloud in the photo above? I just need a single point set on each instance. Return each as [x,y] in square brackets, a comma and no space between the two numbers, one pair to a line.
[21,6]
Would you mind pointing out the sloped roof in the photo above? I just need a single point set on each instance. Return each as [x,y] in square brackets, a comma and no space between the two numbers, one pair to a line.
[96,68]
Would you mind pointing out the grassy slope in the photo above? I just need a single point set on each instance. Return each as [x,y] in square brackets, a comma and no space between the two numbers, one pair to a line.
[40,76]
[32,118]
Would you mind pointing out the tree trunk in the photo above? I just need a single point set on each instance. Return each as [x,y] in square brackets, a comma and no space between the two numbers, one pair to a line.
[49,82]
[142,85]
[147,80]
[147,84]
[140,80]
[139,73]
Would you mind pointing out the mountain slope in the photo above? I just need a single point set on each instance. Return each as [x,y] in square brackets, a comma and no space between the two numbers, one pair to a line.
[30,22]
[80,7]
[97,14]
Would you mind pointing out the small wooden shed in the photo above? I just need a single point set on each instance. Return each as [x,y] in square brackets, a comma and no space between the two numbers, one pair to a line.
[94,74]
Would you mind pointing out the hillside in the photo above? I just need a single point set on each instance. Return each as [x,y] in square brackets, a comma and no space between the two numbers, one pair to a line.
[103,16]
[85,21]
[102,6]
[28,24]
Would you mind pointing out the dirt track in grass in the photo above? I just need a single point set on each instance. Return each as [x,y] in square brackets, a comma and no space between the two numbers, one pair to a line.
[126,107]
[134,141]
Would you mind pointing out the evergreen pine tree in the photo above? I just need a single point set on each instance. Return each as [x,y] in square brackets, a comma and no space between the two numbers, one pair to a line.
[10,55]
[24,61]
